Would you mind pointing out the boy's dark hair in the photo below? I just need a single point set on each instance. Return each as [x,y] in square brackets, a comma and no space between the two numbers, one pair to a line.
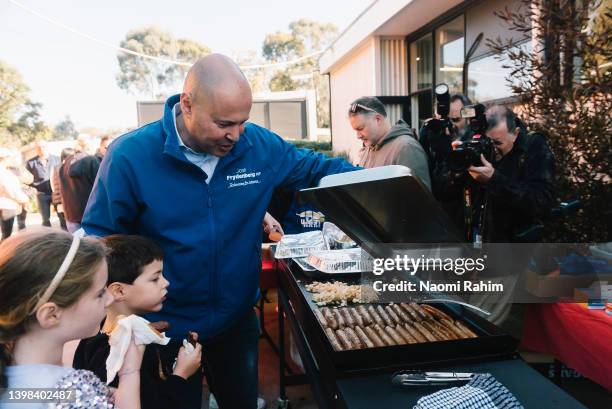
[128,255]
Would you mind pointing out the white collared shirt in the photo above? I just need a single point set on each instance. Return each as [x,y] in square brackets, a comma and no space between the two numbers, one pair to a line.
[204,161]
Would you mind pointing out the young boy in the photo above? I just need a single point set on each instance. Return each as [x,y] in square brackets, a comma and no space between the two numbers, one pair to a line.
[136,282]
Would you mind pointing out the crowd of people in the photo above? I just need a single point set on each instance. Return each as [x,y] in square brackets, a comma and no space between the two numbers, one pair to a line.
[62,183]
[198,274]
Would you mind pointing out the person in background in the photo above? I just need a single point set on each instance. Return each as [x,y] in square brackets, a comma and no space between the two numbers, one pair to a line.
[12,197]
[384,144]
[56,196]
[17,166]
[41,167]
[105,140]
[445,189]
[82,144]
[77,175]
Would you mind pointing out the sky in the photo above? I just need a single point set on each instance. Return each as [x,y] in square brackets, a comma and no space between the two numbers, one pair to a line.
[71,75]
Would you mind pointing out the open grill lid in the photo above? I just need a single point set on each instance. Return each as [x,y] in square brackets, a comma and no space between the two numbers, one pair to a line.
[384,205]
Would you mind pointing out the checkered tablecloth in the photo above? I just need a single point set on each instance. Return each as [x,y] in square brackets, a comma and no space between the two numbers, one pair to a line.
[482,392]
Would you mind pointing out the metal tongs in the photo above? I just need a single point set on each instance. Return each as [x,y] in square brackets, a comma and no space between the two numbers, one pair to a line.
[415,378]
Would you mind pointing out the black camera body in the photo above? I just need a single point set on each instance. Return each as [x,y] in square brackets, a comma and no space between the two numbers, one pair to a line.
[436,126]
[468,154]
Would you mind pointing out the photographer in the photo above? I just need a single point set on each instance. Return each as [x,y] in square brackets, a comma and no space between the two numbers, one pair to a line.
[436,136]
[517,184]
[509,181]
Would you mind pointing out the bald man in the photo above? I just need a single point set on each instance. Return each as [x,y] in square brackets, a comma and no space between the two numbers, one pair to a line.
[198,182]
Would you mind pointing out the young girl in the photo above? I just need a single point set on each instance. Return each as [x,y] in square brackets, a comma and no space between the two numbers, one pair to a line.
[53,290]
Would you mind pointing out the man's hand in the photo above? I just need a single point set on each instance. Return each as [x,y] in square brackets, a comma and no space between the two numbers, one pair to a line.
[270,224]
[483,173]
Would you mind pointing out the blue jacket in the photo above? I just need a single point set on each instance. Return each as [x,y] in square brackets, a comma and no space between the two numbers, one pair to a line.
[210,233]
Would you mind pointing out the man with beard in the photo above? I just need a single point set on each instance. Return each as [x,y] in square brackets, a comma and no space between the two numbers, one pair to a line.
[447,189]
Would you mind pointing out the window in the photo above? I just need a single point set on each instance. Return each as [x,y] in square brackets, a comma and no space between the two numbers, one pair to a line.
[450,54]
[421,55]
[447,42]
[487,78]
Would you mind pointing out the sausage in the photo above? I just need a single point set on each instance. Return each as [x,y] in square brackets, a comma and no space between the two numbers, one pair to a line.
[320,318]
[353,337]
[365,315]
[192,338]
[160,326]
[465,329]
[333,339]
[415,333]
[376,319]
[344,339]
[442,328]
[395,336]
[383,335]
[411,312]
[356,317]
[421,312]
[426,333]
[405,334]
[394,317]
[339,318]
[401,313]
[348,319]
[435,331]
[383,314]
[436,312]
[453,328]
[330,318]
[376,340]
[364,338]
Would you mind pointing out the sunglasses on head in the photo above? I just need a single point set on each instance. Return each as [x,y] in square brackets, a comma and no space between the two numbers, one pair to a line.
[357,107]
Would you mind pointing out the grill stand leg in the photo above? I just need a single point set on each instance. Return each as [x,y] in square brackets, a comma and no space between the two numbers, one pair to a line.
[283,402]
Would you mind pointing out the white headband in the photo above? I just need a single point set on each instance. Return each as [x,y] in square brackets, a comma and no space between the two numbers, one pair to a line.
[59,276]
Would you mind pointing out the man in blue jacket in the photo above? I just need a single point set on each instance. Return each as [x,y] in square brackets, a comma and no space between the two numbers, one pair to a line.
[198,182]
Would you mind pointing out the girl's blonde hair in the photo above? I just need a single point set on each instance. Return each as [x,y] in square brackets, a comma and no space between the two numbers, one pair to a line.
[28,263]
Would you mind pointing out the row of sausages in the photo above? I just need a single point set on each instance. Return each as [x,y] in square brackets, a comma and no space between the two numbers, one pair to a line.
[394,324]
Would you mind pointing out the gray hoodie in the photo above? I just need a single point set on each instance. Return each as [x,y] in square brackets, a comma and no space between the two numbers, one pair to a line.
[398,147]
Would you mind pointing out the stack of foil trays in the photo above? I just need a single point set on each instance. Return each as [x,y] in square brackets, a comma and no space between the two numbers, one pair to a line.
[329,251]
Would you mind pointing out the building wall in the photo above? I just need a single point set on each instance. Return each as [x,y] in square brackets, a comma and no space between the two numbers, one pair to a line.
[356,77]
[392,61]
[381,67]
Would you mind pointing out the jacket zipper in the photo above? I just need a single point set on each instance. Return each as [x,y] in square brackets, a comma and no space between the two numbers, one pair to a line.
[214,269]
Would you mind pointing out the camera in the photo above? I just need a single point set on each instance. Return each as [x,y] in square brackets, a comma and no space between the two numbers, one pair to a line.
[475,114]
[468,154]
[436,126]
